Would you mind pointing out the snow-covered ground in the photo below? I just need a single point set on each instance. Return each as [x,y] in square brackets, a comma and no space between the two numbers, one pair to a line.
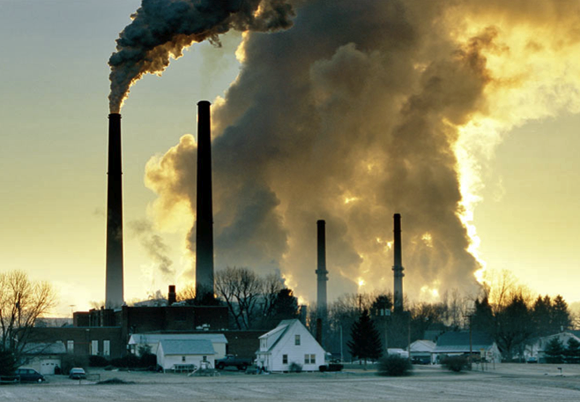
[507,382]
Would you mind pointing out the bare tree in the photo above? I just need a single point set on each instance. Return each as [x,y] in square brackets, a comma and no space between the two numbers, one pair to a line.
[241,289]
[22,302]
[187,294]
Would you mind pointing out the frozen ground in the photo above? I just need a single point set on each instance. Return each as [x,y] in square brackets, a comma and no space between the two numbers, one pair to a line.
[507,382]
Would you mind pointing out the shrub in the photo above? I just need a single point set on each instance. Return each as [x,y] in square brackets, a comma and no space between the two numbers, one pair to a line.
[295,367]
[148,360]
[455,363]
[98,361]
[129,361]
[394,366]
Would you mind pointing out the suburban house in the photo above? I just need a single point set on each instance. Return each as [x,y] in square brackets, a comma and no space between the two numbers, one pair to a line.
[186,354]
[151,341]
[460,343]
[290,342]
[43,357]
[422,350]
[537,346]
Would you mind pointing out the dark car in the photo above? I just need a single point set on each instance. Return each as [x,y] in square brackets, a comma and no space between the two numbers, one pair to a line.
[29,375]
[77,373]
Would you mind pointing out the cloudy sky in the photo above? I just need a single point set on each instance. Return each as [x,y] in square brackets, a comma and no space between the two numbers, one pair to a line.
[461,116]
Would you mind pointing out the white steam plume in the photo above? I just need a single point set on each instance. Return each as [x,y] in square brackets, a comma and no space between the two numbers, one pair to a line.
[163,28]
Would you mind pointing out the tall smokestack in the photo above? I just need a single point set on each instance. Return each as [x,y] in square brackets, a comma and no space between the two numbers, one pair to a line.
[114,280]
[398,267]
[322,275]
[204,216]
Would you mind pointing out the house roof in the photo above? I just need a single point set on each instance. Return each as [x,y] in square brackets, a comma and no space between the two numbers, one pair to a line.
[37,348]
[187,347]
[422,345]
[155,338]
[277,333]
[450,342]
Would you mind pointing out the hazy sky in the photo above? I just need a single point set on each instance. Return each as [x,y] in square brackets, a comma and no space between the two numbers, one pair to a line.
[53,112]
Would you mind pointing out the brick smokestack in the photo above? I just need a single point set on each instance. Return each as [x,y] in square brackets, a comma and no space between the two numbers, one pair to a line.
[114,275]
[204,285]
[398,267]
[322,275]
[171,295]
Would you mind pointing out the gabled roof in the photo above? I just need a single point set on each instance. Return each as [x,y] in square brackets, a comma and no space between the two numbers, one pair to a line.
[187,347]
[459,342]
[278,333]
[422,345]
[155,338]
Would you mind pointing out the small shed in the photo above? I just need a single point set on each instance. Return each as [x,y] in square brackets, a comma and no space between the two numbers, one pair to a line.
[290,342]
[175,354]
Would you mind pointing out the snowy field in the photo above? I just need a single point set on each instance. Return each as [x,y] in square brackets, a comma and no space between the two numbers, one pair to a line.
[507,382]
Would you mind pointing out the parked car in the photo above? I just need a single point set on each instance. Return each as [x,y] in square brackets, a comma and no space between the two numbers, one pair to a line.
[532,359]
[231,360]
[29,375]
[77,373]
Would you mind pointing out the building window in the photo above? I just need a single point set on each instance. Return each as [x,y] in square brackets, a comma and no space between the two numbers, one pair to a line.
[297,340]
[284,359]
[183,359]
[106,348]
[95,347]
[306,359]
[70,346]
[312,359]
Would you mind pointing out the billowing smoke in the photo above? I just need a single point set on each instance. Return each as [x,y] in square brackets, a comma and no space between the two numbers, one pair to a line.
[364,109]
[154,245]
[163,28]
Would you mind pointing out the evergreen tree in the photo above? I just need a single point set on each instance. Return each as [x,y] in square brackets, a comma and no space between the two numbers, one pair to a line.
[286,305]
[572,352]
[560,315]
[366,340]
[554,351]
[7,362]
[482,319]
[541,315]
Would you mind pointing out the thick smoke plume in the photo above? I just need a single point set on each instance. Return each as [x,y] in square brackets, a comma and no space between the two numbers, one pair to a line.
[368,108]
[162,29]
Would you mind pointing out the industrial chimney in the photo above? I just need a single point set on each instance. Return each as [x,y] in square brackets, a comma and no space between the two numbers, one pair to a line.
[171,295]
[114,275]
[322,275]
[398,267]
[204,285]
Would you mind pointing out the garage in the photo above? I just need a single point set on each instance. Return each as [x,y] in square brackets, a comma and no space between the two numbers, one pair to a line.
[47,366]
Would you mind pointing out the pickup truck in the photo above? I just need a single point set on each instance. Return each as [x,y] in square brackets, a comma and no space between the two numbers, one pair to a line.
[233,361]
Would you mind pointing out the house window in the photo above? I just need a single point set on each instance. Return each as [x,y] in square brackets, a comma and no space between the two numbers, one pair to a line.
[95,347]
[297,340]
[284,359]
[306,359]
[183,359]
[312,359]
[106,348]
[70,346]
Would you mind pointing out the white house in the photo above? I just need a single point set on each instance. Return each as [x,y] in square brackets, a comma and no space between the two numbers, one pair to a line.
[537,346]
[136,341]
[172,354]
[290,342]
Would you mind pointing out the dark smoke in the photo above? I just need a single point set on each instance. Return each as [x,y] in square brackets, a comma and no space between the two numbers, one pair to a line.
[350,116]
[163,28]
